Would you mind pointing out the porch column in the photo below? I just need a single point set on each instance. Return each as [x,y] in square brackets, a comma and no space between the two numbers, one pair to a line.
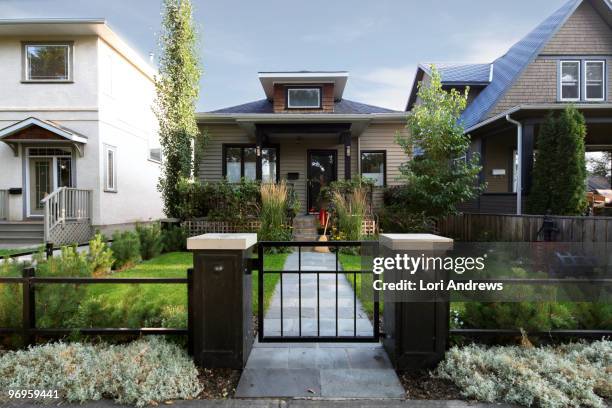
[258,147]
[346,138]
[527,169]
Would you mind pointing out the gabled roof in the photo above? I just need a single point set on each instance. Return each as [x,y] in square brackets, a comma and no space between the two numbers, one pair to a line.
[452,74]
[56,129]
[341,107]
[16,134]
[508,68]
[461,73]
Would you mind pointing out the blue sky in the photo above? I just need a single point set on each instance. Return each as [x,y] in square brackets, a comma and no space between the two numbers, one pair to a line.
[378,42]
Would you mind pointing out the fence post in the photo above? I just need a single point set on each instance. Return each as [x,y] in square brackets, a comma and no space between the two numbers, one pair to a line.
[49,250]
[222,315]
[190,300]
[28,306]
[416,322]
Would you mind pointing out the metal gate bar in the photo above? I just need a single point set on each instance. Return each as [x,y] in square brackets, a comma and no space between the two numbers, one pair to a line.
[337,245]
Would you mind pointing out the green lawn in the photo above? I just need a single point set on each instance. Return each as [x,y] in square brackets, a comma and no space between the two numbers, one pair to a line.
[8,252]
[354,263]
[170,265]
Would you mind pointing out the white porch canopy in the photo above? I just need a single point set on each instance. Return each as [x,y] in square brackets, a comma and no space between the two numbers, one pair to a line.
[50,132]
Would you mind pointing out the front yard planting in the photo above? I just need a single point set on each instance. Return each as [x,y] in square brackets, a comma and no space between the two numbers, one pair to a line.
[140,373]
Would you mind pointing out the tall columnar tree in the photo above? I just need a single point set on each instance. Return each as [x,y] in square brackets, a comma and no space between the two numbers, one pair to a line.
[559,174]
[177,88]
[442,174]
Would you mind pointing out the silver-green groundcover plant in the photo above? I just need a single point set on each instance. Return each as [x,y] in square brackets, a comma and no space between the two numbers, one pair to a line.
[571,375]
[139,373]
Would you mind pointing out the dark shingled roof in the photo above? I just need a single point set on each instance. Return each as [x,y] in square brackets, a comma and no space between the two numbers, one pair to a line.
[458,73]
[343,106]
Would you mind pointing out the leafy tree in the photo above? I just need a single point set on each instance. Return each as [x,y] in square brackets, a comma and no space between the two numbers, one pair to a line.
[559,175]
[441,176]
[177,91]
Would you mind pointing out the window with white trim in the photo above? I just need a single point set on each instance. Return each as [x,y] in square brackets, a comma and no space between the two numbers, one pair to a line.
[570,80]
[303,98]
[110,169]
[47,62]
[594,88]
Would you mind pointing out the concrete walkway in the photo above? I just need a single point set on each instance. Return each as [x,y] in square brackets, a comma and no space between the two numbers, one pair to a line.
[317,370]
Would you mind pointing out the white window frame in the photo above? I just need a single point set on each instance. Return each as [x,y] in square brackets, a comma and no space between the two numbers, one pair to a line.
[603,80]
[69,62]
[108,187]
[579,82]
[305,88]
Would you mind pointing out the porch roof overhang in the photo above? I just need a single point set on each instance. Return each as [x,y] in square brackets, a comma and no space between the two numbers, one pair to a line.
[249,122]
[15,134]
[594,113]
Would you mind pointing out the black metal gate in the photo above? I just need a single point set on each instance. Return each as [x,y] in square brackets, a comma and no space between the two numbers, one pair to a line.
[316,318]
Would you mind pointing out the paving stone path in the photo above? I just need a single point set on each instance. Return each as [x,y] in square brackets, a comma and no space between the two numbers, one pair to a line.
[323,370]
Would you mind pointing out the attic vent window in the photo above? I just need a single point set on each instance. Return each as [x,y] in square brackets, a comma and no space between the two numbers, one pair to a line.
[303,98]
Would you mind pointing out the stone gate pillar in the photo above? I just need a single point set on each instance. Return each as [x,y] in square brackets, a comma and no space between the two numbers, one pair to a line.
[221,315]
[416,328]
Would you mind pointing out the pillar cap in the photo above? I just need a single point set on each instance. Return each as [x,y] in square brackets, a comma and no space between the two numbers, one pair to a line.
[416,242]
[222,241]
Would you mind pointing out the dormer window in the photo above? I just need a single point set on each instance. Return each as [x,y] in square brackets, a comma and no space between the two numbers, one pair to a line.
[304,98]
[582,80]
[570,80]
[47,62]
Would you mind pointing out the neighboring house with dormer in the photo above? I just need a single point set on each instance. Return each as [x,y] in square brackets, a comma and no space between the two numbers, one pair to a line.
[566,59]
[78,141]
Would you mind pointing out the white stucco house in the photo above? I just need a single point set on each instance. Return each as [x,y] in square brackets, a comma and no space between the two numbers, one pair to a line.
[79,148]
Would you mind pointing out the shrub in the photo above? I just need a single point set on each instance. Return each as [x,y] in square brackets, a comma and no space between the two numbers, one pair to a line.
[150,238]
[100,256]
[126,249]
[350,212]
[274,212]
[174,239]
[395,216]
[57,304]
[139,373]
[549,377]
[10,295]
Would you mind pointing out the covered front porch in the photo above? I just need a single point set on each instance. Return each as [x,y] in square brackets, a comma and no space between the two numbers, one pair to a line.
[38,193]
[507,147]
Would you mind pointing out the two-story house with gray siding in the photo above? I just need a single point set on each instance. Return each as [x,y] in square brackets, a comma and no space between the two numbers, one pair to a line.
[566,59]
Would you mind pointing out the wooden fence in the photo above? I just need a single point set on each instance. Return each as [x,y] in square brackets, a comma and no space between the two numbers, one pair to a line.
[525,228]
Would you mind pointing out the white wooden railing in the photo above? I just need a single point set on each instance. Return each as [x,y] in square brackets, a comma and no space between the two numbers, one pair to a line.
[4,204]
[66,204]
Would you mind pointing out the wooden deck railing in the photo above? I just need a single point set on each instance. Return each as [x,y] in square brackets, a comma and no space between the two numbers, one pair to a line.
[4,204]
[66,204]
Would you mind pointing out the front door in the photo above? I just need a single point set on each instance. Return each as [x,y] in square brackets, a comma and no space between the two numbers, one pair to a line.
[48,170]
[41,183]
[322,170]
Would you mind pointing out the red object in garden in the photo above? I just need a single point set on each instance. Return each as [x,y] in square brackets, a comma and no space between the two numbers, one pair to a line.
[323,216]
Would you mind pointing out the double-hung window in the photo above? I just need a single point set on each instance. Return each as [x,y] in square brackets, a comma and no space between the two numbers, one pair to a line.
[374,166]
[570,81]
[594,74]
[110,169]
[47,62]
[240,161]
[582,80]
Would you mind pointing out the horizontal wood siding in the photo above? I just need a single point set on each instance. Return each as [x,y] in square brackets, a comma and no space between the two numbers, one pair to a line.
[280,99]
[382,137]
[524,228]
[211,162]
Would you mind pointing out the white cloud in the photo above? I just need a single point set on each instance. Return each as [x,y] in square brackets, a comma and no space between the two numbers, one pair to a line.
[388,87]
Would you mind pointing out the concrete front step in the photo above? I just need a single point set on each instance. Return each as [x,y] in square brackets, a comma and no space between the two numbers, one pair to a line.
[21,232]
[305,237]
